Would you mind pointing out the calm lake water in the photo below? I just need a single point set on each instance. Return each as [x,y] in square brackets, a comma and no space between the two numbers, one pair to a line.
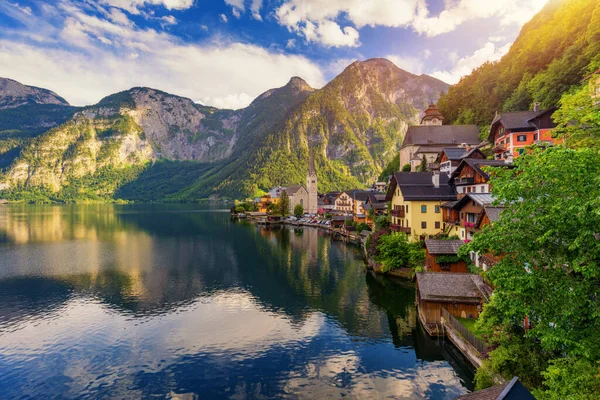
[166,301]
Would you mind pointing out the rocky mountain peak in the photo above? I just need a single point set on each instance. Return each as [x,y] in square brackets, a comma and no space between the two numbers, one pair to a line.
[14,94]
[298,84]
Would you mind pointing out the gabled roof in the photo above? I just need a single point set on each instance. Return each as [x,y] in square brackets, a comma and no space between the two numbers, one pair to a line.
[437,246]
[359,195]
[292,189]
[483,199]
[452,287]
[454,153]
[477,165]
[419,186]
[520,120]
[429,149]
[376,198]
[493,214]
[441,135]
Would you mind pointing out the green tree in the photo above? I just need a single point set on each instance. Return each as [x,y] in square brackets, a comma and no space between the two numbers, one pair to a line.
[394,251]
[298,210]
[406,168]
[578,118]
[284,204]
[382,222]
[423,165]
[550,258]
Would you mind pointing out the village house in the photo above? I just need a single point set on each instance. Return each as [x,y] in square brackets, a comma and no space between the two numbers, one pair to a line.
[380,187]
[512,132]
[442,256]
[470,207]
[450,157]
[343,203]
[462,295]
[298,195]
[264,203]
[416,198]
[326,202]
[429,138]
[490,215]
[470,177]
[374,207]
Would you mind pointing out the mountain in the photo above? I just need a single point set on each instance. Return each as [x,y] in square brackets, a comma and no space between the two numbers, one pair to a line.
[553,52]
[144,144]
[14,94]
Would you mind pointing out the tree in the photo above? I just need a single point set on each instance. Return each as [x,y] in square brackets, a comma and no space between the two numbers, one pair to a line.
[298,210]
[423,165]
[382,222]
[284,204]
[549,246]
[394,251]
[578,118]
[406,168]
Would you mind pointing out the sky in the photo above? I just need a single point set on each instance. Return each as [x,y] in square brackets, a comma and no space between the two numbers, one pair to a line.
[225,53]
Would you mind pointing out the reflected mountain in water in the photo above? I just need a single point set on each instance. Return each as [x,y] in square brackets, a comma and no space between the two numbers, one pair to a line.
[140,300]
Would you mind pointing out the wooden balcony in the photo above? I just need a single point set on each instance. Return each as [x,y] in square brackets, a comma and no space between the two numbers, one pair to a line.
[500,148]
[398,228]
[397,213]
[467,180]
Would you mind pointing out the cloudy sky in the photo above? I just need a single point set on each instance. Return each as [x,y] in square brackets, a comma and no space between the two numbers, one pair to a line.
[226,52]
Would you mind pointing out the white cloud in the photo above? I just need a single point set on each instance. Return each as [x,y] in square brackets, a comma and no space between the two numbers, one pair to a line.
[291,43]
[223,18]
[99,57]
[255,8]
[23,9]
[236,12]
[133,6]
[309,17]
[408,63]
[169,19]
[466,65]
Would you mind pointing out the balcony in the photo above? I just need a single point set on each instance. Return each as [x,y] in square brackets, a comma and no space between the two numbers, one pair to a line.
[466,180]
[451,220]
[398,228]
[397,213]
[343,204]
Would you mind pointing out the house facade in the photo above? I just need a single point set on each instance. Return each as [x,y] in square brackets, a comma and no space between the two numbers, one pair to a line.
[298,195]
[416,199]
[442,256]
[450,157]
[343,203]
[512,132]
[470,176]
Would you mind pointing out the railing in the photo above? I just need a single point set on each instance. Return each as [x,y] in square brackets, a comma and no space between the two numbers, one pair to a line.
[405,230]
[397,213]
[343,204]
[465,333]
[395,227]
[467,180]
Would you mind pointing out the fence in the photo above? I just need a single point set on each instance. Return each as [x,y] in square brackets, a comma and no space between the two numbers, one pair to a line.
[467,334]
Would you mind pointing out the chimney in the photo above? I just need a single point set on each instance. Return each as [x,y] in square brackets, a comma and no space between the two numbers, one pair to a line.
[536,106]
[435,179]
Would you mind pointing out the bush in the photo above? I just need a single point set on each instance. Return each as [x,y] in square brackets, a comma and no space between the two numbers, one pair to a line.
[362,227]
[382,222]
[406,168]
[394,251]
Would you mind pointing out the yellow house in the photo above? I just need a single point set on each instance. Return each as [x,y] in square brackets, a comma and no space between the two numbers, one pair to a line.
[416,199]
[263,203]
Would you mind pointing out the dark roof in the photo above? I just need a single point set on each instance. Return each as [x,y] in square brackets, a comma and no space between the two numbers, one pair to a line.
[375,198]
[519,120]
[419,186]
[451,287]
[436,246]
[512,390]
[360,195]
[449,204]
[476,164]
[429,149]
[454,153]
[377,206]
[441,135]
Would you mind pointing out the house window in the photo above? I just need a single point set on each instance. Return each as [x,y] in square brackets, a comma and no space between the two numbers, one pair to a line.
[423,225]
[502,131]
[535,136]
[423,209]
[521,151]
[522,138]
[437,225]
[437,209]
[463,233]
[407,208]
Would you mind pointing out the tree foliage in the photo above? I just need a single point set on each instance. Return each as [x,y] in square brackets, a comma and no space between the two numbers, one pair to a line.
[394,251]
[550,263]
[298,210]
[284,204]
[578,118]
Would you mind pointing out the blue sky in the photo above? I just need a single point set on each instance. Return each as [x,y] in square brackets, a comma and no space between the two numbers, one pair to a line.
[226,52]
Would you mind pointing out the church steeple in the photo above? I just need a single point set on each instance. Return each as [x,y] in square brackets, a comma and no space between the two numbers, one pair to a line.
[311,185]
[433,116]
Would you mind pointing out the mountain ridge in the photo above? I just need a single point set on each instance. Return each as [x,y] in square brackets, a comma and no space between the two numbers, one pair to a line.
[231,153]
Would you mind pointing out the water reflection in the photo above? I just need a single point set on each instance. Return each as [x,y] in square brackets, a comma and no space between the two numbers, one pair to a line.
[131,301]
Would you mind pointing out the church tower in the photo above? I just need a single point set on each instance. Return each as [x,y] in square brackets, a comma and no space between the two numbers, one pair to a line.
[311,186]
[433,116]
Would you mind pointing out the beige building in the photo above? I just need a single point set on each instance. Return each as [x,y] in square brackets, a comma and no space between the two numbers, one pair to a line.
[298,195]
[430,137]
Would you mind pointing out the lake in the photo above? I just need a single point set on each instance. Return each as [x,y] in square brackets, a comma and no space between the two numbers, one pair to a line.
[178,301]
